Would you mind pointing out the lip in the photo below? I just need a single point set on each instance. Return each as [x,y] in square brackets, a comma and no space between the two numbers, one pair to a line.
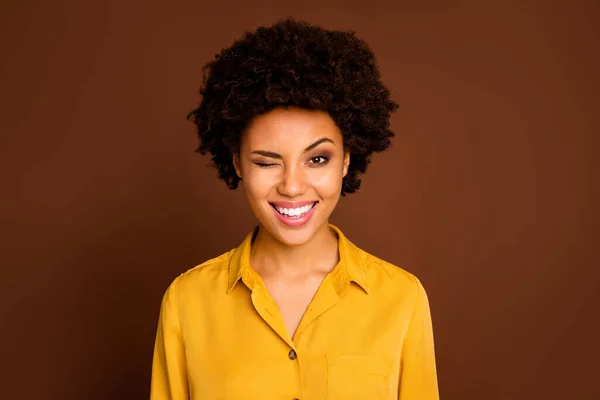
[294,222]
[292,204]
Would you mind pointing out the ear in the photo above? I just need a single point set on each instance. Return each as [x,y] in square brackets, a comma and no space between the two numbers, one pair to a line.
[346,162]
[237,165]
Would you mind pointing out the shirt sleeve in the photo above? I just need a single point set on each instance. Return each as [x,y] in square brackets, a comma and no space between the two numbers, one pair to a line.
[418,376]
[169,375]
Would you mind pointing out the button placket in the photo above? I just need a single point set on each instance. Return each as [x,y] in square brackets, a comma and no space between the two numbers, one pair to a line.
[292,356]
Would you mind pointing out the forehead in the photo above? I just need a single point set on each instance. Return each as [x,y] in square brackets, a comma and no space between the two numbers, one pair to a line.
[280,125]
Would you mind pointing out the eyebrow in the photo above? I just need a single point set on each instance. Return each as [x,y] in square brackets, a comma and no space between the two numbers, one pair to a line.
[271,154]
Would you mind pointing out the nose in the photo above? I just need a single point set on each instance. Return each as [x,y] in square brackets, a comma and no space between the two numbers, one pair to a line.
[292,183]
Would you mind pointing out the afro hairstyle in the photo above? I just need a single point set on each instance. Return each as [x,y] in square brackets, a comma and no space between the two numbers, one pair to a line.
[294,64]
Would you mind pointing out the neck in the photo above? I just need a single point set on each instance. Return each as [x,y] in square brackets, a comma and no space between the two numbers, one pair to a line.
[271,258]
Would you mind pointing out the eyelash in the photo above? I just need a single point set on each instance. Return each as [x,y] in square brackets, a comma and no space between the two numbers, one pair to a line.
[263,165]
[325,159]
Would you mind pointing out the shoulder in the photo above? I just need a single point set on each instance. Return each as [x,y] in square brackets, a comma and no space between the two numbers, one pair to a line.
[385,277]
[203,276]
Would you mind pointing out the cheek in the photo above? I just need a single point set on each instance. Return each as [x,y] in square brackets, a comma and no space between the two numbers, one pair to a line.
[328,183]
[257,183]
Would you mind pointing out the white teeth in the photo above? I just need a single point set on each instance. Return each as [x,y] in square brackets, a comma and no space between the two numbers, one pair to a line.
[295,212]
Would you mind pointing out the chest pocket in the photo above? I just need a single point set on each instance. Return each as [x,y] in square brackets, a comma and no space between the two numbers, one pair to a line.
[357,377]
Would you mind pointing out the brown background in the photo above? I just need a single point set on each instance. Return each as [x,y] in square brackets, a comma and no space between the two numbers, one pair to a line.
[488,194]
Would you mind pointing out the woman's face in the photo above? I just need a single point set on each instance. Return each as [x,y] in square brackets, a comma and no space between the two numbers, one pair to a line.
[292,162]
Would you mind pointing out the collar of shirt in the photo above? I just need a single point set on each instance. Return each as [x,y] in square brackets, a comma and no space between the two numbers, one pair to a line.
[350,268]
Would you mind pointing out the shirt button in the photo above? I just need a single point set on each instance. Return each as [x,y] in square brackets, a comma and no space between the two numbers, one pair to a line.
[292,355]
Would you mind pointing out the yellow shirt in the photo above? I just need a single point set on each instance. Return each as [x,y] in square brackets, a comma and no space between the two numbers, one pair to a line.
[367,334]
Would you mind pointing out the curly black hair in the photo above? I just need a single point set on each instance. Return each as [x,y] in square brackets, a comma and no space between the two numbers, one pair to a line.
[294,64]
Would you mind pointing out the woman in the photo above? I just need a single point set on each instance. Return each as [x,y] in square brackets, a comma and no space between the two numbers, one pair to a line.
[296,311]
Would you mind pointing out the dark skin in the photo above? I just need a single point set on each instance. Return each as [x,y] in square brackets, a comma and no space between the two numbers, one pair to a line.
[293,155]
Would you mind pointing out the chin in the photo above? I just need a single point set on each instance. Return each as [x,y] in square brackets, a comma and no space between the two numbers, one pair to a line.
[294,237]
[291,236]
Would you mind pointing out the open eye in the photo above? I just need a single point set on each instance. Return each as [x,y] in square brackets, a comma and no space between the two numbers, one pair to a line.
[319,160]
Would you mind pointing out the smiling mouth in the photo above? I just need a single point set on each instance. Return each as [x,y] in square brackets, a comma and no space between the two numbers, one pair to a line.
[294,212]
